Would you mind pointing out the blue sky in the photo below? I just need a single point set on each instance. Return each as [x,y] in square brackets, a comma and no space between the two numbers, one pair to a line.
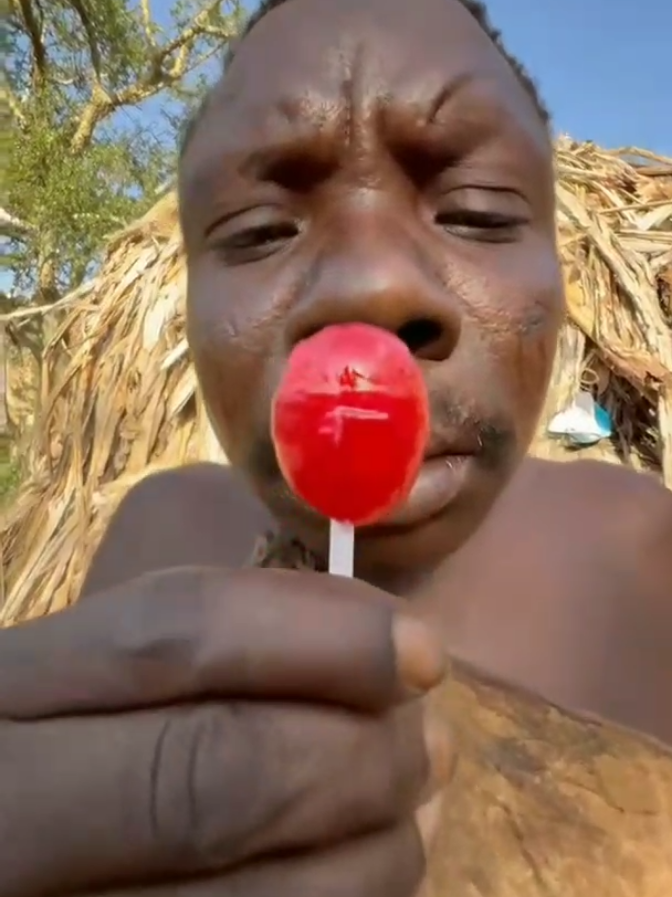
[604,67]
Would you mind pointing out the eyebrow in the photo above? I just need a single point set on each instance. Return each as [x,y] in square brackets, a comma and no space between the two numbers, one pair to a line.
[308,157]
[449,93]
[293,150]
[312,150]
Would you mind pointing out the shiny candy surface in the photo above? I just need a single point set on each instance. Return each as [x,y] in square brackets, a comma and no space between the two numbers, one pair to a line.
[350,422]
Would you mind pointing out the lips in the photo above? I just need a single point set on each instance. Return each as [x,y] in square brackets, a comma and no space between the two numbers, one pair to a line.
[439,483]
[445,445]
[448,466]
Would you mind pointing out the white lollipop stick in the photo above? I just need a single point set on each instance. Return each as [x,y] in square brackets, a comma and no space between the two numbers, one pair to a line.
[341,548]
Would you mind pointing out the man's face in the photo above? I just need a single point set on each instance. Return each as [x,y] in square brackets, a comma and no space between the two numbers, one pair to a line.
[376,162]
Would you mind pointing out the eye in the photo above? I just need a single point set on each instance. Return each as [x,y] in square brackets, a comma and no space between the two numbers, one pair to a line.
[486,216]
[488,227]
[253,235]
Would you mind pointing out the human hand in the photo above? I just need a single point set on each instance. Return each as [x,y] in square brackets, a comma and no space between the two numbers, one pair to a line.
[201,732]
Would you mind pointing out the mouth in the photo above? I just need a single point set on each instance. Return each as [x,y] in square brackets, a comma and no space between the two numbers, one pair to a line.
[441,479]
[450,468]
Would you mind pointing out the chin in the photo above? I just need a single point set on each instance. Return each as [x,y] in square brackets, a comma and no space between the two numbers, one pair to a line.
[387,553]
[413,550]
[395,551]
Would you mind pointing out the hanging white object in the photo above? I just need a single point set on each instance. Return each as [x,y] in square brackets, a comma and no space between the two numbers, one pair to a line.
[341,548]
[583,423]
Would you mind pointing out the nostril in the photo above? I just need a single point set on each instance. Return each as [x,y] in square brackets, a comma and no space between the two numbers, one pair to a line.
[420,335]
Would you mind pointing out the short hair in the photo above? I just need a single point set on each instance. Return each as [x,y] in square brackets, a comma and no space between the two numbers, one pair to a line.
[475,7]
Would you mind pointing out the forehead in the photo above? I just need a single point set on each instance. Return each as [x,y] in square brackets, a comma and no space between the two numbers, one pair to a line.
[311,64]
[336,41]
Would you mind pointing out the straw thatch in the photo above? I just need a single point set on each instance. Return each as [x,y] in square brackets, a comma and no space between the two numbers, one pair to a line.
[119,395]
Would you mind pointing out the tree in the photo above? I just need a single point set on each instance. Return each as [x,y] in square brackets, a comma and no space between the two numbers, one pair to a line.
[85,150]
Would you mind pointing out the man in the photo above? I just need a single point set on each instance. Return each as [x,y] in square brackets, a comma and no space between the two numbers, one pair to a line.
[193,721]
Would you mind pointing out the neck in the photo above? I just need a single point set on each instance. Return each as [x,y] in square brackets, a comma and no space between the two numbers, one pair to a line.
[401,583]
[283,549]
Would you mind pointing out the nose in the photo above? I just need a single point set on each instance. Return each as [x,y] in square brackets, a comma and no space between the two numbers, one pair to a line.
[376,272]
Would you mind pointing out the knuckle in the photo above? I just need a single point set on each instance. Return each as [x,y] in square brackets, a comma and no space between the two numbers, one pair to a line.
[170,638]
[359,773]
[202,775]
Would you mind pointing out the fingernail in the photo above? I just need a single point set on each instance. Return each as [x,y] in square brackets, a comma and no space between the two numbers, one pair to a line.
[421,660]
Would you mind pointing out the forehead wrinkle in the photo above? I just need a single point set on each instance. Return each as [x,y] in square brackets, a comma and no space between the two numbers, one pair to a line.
[341,38]
[218,149]
[467,101]
[287,112]
[249,111]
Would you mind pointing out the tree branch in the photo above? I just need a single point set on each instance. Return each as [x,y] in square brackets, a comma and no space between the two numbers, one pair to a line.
[13,103]
[30,311]
[33,27]
[89,30]
[159,74]
[147,21]
[198,27]
[13,227]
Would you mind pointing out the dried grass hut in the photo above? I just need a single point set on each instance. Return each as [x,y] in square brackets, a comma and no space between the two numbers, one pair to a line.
[545,802]
[119,395]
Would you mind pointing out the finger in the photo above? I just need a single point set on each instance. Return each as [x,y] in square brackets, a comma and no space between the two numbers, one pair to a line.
[198,790]
[384,864]
[190,634]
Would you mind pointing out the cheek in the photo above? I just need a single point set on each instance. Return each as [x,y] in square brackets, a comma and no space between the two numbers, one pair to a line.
[517,310]
[231,336]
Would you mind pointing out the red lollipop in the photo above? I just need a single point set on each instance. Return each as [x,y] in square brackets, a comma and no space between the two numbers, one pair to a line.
[350,422]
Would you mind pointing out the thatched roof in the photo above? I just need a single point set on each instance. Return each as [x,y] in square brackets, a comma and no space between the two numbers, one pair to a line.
[120,399]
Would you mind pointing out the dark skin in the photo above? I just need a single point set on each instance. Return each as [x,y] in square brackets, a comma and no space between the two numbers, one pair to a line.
[154,728]
[417,197]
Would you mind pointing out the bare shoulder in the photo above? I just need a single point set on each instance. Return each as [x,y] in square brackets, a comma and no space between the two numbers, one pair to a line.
[618,524]
[201,514]
[600,490]
[579,554]
[623,516]
[592,474]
